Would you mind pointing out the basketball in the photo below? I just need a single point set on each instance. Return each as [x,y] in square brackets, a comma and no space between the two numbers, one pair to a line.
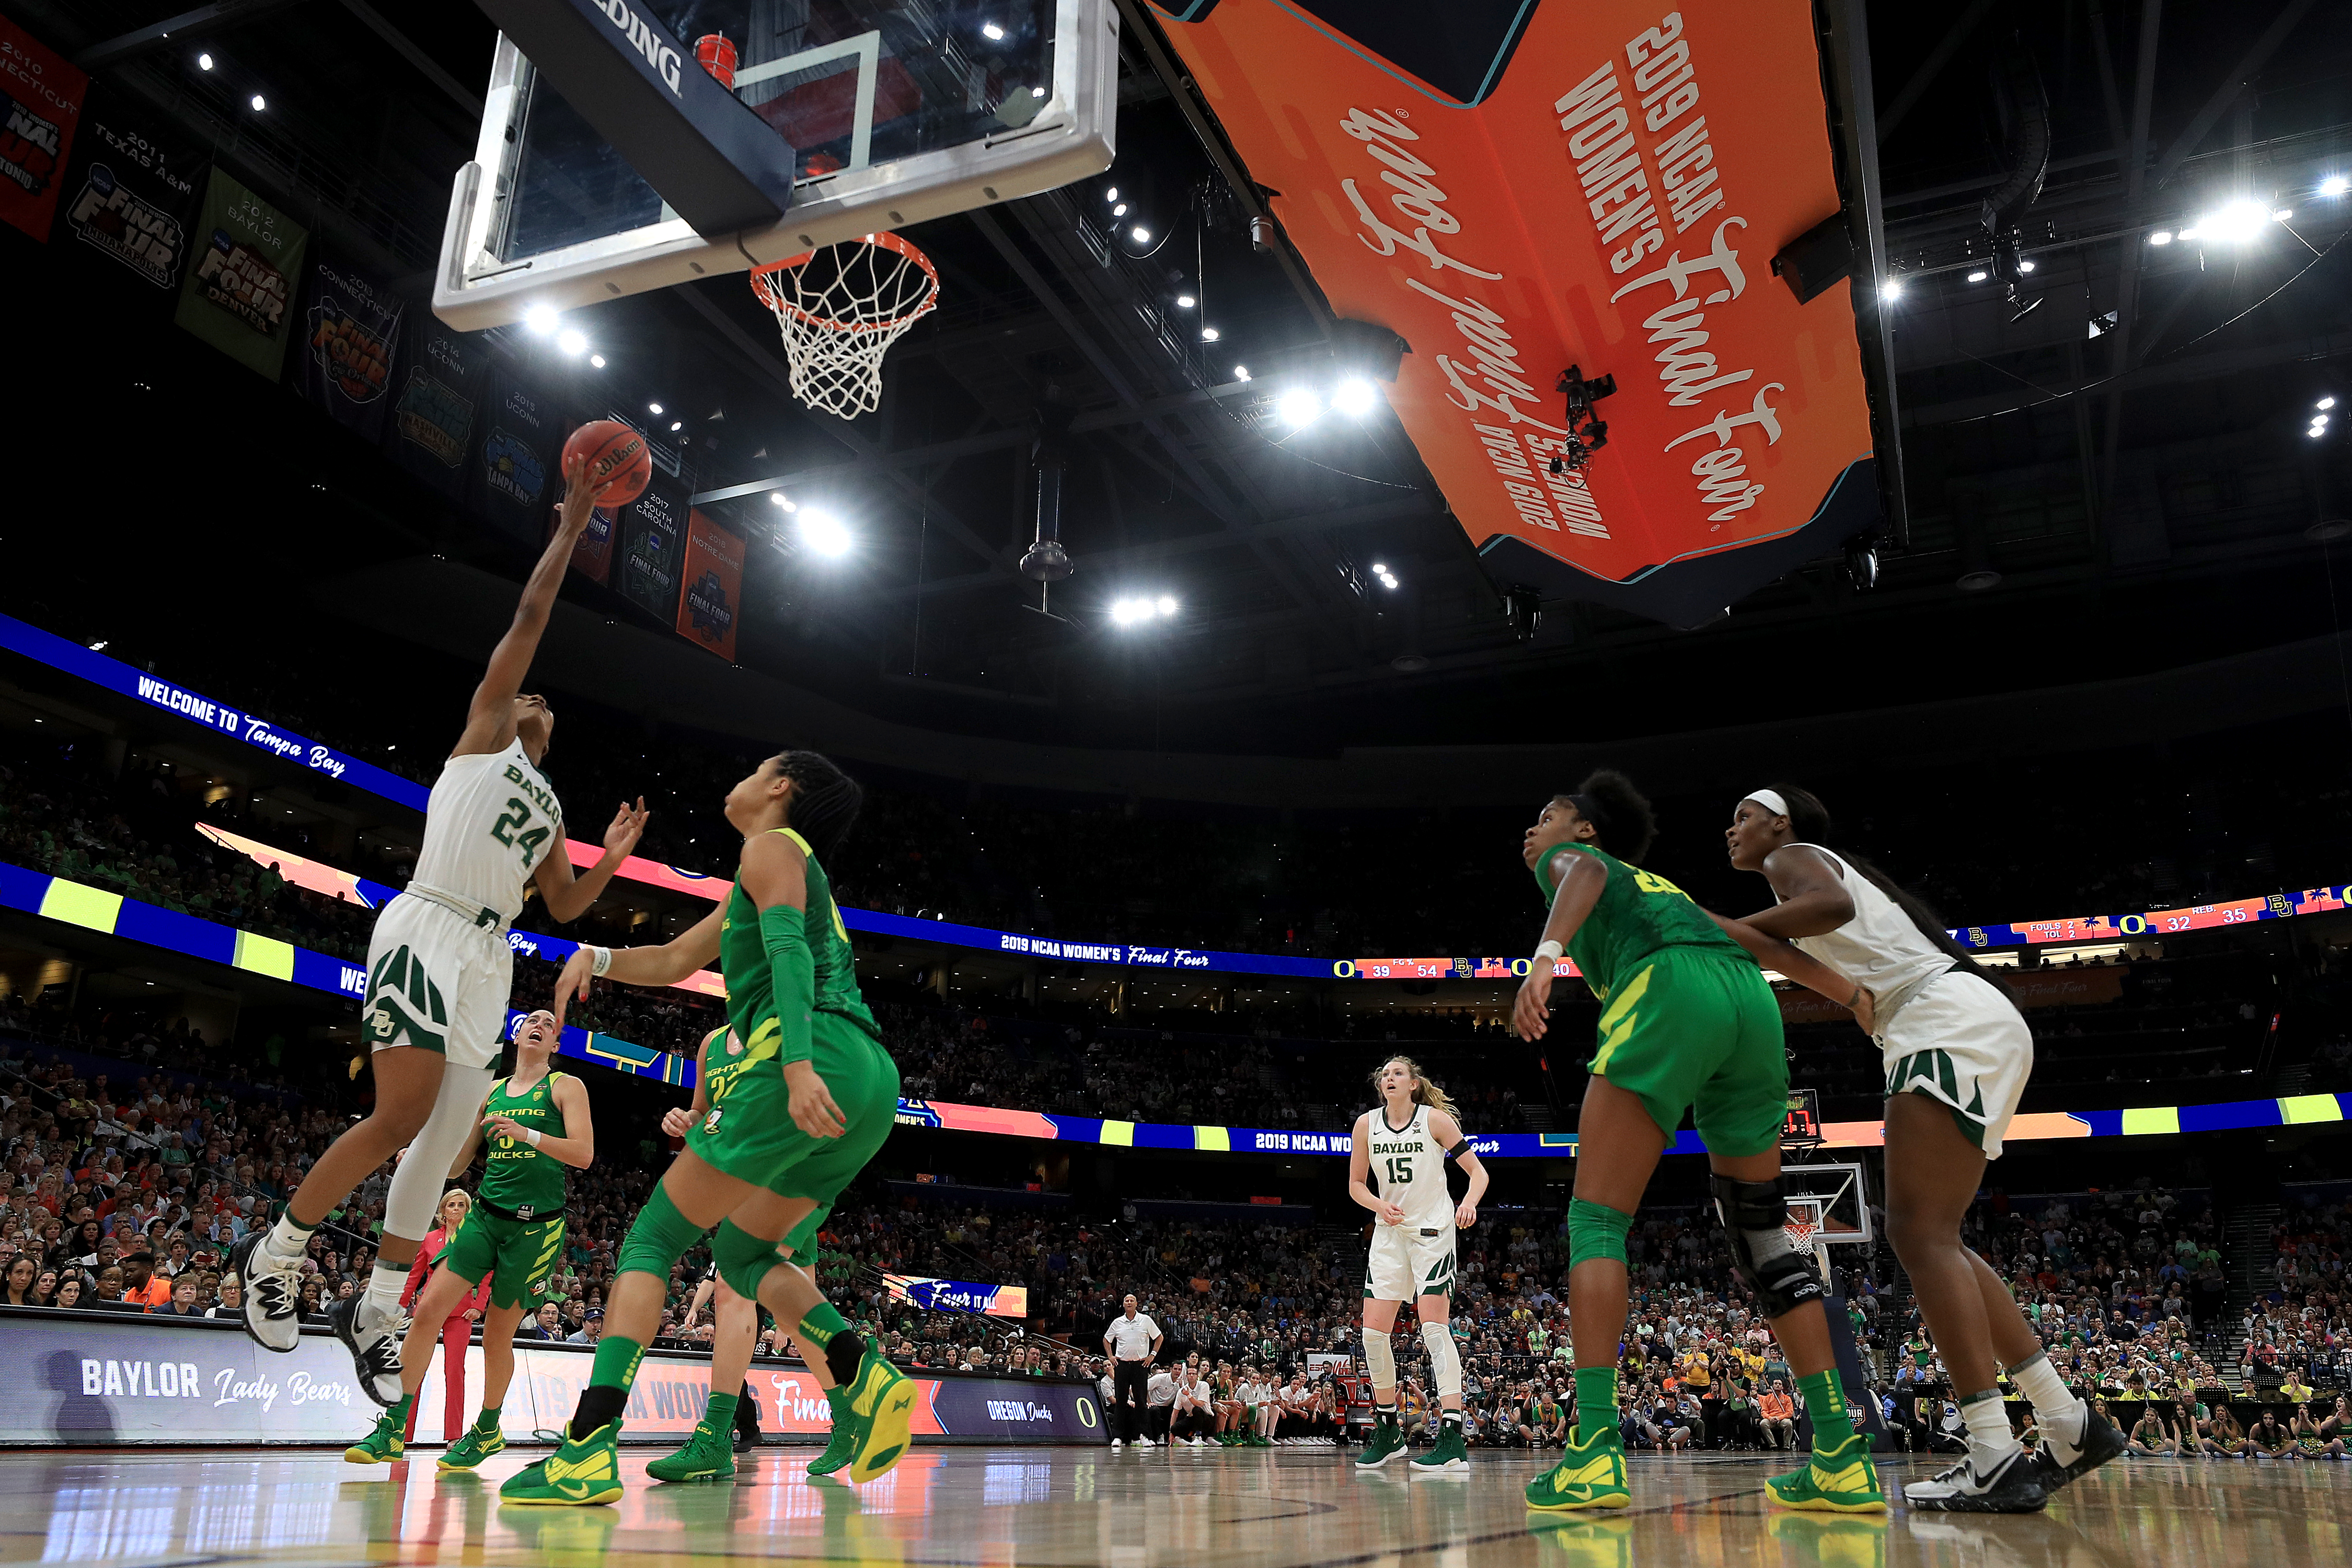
[620,463]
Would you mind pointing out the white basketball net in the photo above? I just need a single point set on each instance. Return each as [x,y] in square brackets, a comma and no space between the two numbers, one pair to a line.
[840,308]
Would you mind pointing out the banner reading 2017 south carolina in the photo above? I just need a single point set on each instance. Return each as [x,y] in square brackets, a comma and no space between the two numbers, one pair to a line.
[1516,186]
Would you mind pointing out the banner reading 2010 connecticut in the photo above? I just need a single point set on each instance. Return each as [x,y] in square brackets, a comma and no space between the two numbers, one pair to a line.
[1519,186]
[239,295]
[40,108]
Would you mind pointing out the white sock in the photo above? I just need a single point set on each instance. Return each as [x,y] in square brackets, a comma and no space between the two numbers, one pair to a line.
[287,1239]
[384,1286]
[1989,1438]
[2060,1413]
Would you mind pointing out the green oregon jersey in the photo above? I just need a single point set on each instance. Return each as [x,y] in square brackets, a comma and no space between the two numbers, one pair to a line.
[518,1177]
[750,987]
[1638,913]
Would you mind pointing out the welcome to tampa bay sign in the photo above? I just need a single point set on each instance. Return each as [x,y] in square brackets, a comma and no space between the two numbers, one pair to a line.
[1518,187]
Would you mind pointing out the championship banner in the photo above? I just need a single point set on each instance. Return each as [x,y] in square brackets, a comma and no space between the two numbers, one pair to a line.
[440,383]
[958,1295]
[130,191]
[652,531]
[40,110]
[713,593]
[591,555]
[244,258]
[1539,196]
[351,324]
[514,482]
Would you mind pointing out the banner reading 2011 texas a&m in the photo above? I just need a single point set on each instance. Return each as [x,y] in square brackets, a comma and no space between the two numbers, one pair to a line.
[1519,186]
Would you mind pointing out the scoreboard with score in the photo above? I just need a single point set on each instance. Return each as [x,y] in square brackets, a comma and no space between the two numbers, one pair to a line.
[1803,1125]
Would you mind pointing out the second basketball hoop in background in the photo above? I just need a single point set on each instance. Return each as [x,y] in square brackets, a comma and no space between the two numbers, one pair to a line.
[840,308]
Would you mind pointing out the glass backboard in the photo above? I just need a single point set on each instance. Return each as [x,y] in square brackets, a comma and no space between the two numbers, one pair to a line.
[897,111]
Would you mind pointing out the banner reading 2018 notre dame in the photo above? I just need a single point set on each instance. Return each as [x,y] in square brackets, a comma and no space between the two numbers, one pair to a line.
[1516,187]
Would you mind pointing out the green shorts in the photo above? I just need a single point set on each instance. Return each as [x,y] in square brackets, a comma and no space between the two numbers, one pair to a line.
[1700,1030]
[749,1133]
[519,1254]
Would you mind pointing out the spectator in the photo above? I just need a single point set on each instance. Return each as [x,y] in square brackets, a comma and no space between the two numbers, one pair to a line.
[1777,1414]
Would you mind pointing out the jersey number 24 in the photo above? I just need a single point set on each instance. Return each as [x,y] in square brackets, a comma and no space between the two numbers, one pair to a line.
[506,830]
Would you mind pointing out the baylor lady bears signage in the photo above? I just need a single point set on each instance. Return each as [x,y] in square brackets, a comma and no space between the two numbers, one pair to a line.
[1516,187]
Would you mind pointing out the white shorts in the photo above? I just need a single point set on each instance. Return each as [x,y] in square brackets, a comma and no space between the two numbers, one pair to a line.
[438,982]
[1404,1263]
[1960,1041]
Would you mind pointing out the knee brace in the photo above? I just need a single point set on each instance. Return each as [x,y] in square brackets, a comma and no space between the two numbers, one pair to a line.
[413,1201]
[1380,1358]
[658,1238]
[1596,1230]
[743,1258]
[1754,1216]
[1445,1362]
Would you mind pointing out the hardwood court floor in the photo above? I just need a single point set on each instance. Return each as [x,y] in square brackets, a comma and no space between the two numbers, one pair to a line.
[1296,1508]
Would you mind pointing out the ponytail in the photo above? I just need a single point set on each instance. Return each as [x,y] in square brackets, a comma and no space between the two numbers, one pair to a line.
[1809,822]
[824,803]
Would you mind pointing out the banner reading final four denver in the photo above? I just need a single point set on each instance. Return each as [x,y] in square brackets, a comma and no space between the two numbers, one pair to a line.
[239,295]
[1535,185]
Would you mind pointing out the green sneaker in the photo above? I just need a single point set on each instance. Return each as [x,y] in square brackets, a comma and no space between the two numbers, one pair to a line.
[1450,1453]
[1839,1480]
[388,1443]
[842,1447]
[709,1455]
[1590,1474]
[478,1443]
[1387,1443]
[577,1473]
[878,1411]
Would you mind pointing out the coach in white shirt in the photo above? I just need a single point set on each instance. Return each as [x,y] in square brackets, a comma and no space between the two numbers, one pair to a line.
[1133,1341]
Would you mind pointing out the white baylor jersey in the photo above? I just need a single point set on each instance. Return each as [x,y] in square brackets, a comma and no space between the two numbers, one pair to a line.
[1409,1170]
[491,817]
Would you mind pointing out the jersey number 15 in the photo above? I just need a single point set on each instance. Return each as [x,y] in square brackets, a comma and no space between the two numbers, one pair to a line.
[1400,1170]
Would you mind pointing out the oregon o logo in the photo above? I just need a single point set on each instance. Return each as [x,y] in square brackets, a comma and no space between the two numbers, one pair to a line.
[1344,969]
[1086,1411]
[2132,925]
[1520,966]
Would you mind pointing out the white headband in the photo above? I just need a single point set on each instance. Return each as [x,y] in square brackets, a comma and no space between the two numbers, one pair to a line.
[1769,799]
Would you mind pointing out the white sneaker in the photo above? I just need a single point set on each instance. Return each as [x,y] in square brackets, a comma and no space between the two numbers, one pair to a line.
[1145,1442]
[1116,1443]
[372,1336]
[270,1284]
[2012,1485]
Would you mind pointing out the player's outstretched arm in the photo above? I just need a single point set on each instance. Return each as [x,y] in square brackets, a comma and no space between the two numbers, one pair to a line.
[568,896]
[1580,888]
[1449,1136]
[490,719]
[1803,968]
[1360,1174]
[666,965]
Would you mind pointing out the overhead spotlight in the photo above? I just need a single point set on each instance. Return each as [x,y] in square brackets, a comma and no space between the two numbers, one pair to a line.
[1118,211]
[1241,372]
[1977,582]
[258,103]
[1381,567]
[1037,92]
[2025,266]
[1979,275]
[2282,215]
[653,408]
[2325,403]
[573,342]
[539,319]
[1209,334]
[2316,431]
[1167,605]
[98,646]
[1140,234]
[989,30]
[823,532]
[1298,407]
[205,63]
[1891,289]
[675,426]
[2334,185]
[596,359]
[2235,222]
[2160,236]
[1111,194]
[1354,397]
[1186,301]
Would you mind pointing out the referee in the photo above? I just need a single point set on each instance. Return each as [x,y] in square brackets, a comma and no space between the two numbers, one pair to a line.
[1132,1341]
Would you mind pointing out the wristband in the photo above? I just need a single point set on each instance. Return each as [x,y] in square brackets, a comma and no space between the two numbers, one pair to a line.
[532,1134]
[601,959]
[1551,949]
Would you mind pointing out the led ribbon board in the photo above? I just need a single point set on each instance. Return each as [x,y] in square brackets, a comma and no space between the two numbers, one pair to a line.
[959,1295]
[1516,187]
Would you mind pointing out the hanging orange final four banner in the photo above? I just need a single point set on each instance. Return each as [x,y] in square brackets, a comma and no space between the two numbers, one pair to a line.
[1523,188]
[712,585]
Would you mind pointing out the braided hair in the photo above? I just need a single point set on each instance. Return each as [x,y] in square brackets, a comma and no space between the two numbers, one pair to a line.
[825,800]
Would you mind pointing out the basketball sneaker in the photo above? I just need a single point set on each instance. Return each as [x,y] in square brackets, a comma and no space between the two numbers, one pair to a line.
[372,1336]
[478,1443]
[879,1410]
[1840,1479]
[581,1472]
[2059,1462]
[842,1447]
[709,1455]
[270,1285]
[1386,1443]
[389,1442]
[1448,1453]
[2015,1483]
[1591,1474]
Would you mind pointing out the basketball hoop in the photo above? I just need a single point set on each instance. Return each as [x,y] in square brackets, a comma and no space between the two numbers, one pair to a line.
[1800,1237]
[840,308]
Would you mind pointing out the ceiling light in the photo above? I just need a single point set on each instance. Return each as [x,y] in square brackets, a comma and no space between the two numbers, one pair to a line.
[98,646]
[2325,403]
[1111,194]
[2161,237]
[1892,288]
[1037,92]
[675,426]
[1209,334]
[1119,211]
[205,63]
[1241,372]
[2316,431]
[1979,275]
[596,359]
[1354,397]
[2235,222]
[2334,185]
[990,30]
[1298,407]
[653,408]
[1140,234]
[776,498]
[539,319]
[1381,567]
[573,342]
[258,104]
[1186,301]
[1167,605]
[823,533]
[2282,215]
[2025,267]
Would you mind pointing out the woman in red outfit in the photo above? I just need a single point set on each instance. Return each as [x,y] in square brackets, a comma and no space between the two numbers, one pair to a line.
[459,1330]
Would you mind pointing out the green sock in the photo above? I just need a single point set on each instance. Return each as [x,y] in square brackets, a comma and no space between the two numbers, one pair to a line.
[1596,1402]
[821,1323]
[488,1421]
[1832,1423]
[720,1416]
[607,1392]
